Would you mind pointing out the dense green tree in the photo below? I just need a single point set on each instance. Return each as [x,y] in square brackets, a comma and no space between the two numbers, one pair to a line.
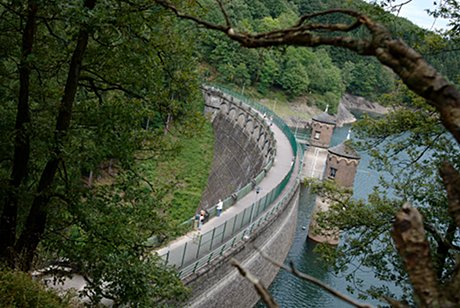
[276,7]
[18,289]
[269,73]
[294,79]
[407,147]
[85,87]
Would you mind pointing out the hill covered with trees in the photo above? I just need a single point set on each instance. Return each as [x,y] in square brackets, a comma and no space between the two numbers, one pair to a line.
[323,74]
[91,84]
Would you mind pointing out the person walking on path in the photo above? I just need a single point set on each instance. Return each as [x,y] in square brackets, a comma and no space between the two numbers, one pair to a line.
[197,220]
[219,207]
[200,223]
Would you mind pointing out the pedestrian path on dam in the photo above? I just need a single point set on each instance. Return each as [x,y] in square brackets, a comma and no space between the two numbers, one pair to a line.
[186,250]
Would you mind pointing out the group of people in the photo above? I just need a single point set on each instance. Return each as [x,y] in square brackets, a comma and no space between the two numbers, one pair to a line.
[202,216]
[268,120]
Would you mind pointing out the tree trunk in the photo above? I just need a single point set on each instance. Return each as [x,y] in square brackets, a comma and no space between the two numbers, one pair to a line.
[36,220]
[444,248]
[409,236]
[8,220]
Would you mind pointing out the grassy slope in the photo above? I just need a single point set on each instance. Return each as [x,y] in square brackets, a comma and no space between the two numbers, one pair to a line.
[183,172]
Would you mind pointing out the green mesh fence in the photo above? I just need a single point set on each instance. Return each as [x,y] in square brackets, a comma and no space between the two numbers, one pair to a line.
[216,242]
[262,109]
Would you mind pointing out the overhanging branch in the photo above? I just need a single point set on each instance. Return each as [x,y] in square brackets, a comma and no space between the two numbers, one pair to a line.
[408,64]
[291,269]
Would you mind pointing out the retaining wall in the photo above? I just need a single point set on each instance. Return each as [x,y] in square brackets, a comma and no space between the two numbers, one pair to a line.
[243,146]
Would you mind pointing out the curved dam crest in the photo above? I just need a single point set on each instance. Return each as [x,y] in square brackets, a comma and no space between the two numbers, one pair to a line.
[243,147]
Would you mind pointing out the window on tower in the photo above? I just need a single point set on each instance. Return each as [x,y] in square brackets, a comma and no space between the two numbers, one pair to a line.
[332,172]
[317,134]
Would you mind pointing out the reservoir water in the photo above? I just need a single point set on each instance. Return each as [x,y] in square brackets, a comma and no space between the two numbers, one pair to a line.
[290,291]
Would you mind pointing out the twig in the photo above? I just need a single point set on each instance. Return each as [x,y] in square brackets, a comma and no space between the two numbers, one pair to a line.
[313,280]
[329,12]
[260,288]
[397,7]
[224,12]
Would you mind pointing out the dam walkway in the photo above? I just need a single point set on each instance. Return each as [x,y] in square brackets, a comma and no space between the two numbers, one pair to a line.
[198,248]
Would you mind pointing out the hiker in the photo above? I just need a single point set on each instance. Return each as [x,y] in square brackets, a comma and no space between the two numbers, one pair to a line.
[206,216]
[197,220]
[219,207]
[201,221]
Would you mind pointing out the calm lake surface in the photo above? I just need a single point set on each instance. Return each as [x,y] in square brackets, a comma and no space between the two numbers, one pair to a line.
[290,291]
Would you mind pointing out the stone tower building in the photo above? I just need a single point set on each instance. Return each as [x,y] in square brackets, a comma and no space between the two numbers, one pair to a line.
[341,164]
[322,127]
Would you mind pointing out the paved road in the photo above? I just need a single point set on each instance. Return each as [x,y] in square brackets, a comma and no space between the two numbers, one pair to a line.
[314,163]
[189,243]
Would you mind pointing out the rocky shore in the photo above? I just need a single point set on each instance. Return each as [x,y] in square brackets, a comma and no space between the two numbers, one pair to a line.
[350,103]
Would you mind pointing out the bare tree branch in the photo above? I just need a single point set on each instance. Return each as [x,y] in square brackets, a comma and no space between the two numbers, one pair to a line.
[313,280]
[112,85]
[224,12]
[260,288]
[408,64]
[439,237]
[397,7]
[179,14]
[414,249]
[350,13]
[451,179]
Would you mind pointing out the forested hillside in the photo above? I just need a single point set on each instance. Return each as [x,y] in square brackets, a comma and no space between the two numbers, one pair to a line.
[99,97]
[323,74]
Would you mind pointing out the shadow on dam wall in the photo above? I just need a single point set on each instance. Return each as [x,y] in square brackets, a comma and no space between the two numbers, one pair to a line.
[237,159]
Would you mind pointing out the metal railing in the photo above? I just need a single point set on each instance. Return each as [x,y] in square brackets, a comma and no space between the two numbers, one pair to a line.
[262,109]
[207,247]
[241,235]
[188,225]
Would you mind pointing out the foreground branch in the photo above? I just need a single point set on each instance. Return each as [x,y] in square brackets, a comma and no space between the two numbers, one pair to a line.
[260,288]
[414,249]
[451,179]
[408,64]
[313,280]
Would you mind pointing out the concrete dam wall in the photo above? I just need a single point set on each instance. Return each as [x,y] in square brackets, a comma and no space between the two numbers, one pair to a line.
[245,144]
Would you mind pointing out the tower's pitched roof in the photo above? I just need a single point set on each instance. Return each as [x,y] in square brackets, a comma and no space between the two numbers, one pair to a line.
[345,150]
[324,118]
